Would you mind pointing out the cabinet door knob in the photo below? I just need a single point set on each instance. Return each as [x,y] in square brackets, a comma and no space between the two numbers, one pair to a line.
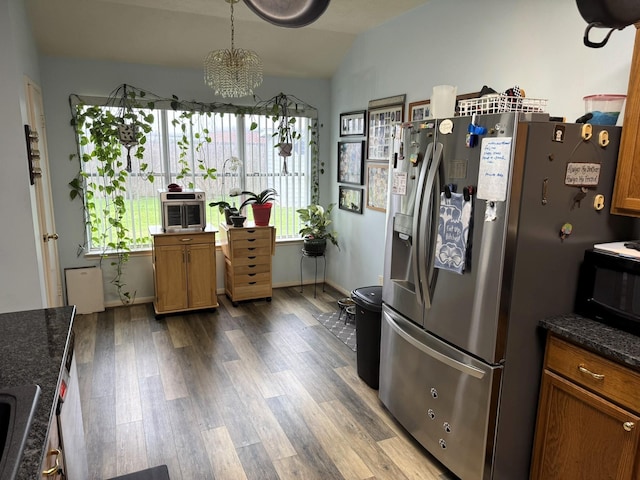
[597,376]
[628,426]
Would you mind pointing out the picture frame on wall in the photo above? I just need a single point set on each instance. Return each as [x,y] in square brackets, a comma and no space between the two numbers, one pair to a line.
[351,162]
[350,199]
[353,123]
[377,186]
[380,126]
[419,110]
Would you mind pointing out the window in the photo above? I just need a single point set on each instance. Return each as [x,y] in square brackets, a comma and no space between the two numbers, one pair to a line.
[238,148]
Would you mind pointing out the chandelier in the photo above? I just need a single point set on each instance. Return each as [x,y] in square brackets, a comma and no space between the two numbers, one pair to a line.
[235,72]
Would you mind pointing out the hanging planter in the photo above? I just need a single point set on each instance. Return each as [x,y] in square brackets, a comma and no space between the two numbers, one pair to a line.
[284,149]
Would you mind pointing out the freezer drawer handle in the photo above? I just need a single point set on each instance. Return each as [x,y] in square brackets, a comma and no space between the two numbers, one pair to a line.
[462,367]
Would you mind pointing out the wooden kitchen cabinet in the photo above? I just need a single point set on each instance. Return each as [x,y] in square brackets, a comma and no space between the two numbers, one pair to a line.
[184,270]
[247,258]
[626,193]
[588,424]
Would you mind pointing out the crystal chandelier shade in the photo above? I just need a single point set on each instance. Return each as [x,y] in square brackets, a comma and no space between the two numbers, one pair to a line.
[233,72]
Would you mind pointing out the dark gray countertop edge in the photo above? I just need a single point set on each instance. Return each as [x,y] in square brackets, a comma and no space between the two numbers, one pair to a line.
[606,340]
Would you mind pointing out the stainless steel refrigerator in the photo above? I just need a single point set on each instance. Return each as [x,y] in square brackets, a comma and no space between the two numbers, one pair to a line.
[464,288]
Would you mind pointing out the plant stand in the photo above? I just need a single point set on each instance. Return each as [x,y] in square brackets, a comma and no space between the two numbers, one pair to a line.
[315,256]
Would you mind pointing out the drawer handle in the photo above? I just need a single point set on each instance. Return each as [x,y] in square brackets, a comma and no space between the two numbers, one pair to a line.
[251,266]
[597,376]
[56,468]
[251,258]
[252,283]
[628,426]
[252,274]
[251,248]
[251,231]
[251,239]
[186,239]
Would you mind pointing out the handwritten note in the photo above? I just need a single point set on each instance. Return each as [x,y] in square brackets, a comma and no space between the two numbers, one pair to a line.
[399,186]
[495,160]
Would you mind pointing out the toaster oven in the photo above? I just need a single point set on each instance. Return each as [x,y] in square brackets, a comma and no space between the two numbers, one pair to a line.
[183,211]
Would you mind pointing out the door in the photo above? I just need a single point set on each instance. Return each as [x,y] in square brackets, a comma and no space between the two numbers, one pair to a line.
[171,277]
[581,435]
[201,272]
[465,306]
[402,288]
[48,243]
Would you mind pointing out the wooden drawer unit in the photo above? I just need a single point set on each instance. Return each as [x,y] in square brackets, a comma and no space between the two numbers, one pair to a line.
[588,417]
[184,269]
[247,252]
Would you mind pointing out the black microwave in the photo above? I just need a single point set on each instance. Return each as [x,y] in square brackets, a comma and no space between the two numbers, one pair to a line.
[609,290]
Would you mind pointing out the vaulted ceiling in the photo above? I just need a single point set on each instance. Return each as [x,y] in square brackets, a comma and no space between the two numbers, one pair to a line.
[179,33]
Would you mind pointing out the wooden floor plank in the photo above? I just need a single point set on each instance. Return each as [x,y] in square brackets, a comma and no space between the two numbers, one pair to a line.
[329,436]
[222,455]
[267,427]
[84,327]
[178,332]
[191,452]
[146,359]
[128,407]
[131,451]
[100,436]
[414,465]
[158,432]
[104,356]
[256,463]
[266,382]
[170,371]
[122,325]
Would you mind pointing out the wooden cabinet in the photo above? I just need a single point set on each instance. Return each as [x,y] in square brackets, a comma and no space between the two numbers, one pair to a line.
[588,425]
[626,194]
[184,270]
[247,258]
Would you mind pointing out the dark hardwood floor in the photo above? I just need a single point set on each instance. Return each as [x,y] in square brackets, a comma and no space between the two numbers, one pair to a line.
[261,391]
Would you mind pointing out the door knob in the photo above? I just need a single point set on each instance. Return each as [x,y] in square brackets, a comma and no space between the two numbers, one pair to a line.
[50,236]
[628,426]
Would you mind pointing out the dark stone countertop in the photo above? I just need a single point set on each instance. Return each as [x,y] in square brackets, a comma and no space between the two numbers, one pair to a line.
[33,345]
[606,340]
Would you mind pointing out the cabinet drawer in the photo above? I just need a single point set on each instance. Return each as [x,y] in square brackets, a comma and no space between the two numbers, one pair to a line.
[251,243]
[251,268]
[251,252]
[252,260]
[604,377]
[245,292]
[184,238]
[249,233]
[248,279]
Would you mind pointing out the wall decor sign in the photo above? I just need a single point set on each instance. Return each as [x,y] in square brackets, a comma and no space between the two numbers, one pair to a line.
[383,116]
[351,162]
[419,110]
[377,186]
[351,199]
[353,123]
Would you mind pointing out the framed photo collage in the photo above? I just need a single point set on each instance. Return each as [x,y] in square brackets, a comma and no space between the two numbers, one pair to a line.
[364,152]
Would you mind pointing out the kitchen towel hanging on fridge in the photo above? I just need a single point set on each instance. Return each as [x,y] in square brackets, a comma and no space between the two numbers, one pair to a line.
[453,232]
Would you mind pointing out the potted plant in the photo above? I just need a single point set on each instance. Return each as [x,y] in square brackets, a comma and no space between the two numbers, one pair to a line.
[315,231]
[227,209]
[260,203]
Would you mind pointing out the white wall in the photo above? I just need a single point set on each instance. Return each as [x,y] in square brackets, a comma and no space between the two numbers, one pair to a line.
[21,276]
[62,77]
[534,44]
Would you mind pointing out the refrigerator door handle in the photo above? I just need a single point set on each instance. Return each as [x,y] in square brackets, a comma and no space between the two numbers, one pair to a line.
[416,259]
[461,367]
[426,243]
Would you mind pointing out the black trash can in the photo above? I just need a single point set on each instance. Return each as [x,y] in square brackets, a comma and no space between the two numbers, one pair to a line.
[368,302]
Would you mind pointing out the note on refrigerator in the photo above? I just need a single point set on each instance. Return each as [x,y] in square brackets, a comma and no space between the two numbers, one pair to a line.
[495,159]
